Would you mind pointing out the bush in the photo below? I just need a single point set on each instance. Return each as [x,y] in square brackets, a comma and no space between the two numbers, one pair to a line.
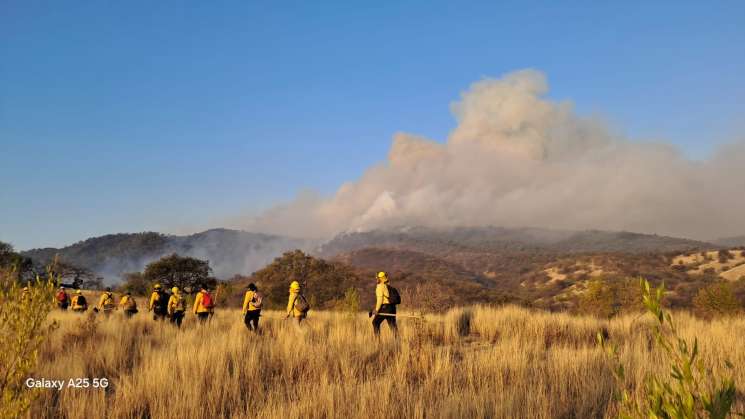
[351,301]
[716,300]
[598,299]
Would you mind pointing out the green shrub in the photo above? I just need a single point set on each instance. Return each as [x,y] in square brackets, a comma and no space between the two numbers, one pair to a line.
[691,391]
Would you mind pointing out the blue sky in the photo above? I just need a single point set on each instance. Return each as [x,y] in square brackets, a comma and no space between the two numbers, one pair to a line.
[132,116]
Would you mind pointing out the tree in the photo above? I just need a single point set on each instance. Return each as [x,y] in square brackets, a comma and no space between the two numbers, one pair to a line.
[176,271]
[70,275]
[724,255]
[23,267]
[135,283]
[324,281]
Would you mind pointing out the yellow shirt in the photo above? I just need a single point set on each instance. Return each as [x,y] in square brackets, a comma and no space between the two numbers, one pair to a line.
[176,304]
[74,303]
[381,295]
[106,302]
[247,302]
[125,299]
[198,306]
[153,299]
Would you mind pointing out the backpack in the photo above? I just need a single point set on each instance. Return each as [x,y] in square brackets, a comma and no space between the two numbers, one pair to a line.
[393,296]
[161,304]
[81,301]
[257,300]
[180,304]
[302,304]
[207,301]
[131,304]
[61,296]
[108,303]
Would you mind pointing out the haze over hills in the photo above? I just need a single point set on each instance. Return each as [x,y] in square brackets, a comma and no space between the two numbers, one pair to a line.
[733,241]
[229,251]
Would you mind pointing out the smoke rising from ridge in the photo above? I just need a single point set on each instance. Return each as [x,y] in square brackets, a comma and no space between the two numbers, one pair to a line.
[517,159]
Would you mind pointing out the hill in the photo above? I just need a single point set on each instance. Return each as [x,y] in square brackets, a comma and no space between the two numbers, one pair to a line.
[229,252]
[492,239]
[543,268]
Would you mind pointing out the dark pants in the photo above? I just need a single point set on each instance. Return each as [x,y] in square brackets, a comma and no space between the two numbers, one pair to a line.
[177,317]
[62,306]
[128,313]
[378,319]
[159,316]
[202,317]
[251,319]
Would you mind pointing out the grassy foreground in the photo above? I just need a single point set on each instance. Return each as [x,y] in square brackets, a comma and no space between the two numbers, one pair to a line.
[472,362]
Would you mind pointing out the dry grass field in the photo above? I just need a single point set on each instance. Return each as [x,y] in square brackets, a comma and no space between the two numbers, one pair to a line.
[474,363]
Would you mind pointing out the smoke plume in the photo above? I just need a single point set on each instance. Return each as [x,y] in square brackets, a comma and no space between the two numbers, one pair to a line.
[517,159]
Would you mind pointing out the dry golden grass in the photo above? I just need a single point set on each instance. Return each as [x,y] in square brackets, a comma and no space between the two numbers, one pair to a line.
[472,362]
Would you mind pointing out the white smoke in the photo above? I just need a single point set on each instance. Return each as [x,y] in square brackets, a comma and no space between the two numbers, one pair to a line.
[517,159]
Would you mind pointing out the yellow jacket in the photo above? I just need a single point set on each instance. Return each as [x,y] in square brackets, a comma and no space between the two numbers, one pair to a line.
[153,299]
[198,307]
[125,300]
[247,302]
[77,307]
[106,302]
[176,303]
[291,309]
[381,295]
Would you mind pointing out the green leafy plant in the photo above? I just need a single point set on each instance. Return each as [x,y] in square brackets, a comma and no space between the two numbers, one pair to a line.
[23,329]
[691,391]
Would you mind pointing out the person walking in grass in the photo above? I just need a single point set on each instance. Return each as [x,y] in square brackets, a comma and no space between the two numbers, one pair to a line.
[252,303]
[128,305]
[158,303]
[176,307]
[386,299]
[78,303]
[297,305]
[204,304]
[62,299]
[106,302]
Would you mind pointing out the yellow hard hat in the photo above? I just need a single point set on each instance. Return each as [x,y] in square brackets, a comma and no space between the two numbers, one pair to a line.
[78,292]
[294,286]
[25,288]
[382,277]
[157,286]
[174,290]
